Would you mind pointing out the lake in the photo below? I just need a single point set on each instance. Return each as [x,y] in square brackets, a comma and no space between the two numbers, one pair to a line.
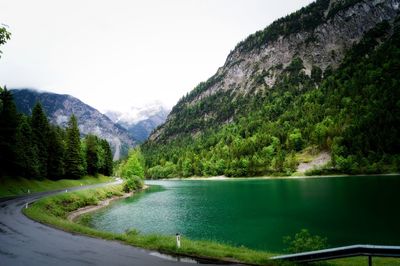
[258,213]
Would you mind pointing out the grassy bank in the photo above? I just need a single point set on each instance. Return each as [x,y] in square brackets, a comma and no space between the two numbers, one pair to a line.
[20,186]
[54,210]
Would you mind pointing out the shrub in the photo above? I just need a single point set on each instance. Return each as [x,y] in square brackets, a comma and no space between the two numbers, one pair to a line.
[132,183]
[304,241]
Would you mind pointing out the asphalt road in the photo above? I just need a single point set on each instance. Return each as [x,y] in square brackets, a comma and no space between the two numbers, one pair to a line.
[26,242]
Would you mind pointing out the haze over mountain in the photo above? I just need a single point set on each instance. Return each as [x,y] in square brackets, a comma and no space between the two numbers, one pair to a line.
[121,43]
[320,79]
[59,107]
[140,121]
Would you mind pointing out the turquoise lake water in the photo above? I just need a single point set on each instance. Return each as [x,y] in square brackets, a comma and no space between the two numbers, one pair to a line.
[258,213]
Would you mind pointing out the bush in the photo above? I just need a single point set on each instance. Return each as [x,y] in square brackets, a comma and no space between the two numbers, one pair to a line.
[304,241]
[132,183]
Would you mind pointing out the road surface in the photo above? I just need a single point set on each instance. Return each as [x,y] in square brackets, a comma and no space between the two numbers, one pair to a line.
[26,242]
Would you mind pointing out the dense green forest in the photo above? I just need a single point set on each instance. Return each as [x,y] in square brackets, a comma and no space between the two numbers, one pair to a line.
[31,147]
[352,111]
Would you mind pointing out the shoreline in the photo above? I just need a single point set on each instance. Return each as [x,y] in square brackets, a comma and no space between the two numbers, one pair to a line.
[225,178]
[74,215]
[198,250]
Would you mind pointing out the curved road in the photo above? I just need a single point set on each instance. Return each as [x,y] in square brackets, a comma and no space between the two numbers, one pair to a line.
[26,242]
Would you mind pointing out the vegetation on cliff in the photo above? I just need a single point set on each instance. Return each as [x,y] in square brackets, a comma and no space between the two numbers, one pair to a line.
[352,112]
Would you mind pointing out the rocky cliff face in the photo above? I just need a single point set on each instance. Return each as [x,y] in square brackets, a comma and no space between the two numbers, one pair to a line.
[60,107]
[319,35]
[322,47]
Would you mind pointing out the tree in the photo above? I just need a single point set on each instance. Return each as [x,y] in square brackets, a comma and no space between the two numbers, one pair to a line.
[4,36]
[134,166]
[26,152]
[295,141]
[316,74]
[187,168]
[133,171]
[92,154]
[40,135]
[107,166]
[8,129]
[56,153]
[73,159]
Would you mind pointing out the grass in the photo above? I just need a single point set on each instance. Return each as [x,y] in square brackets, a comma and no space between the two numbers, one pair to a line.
[364,261]
[307,155]
[55,209]
[20,186]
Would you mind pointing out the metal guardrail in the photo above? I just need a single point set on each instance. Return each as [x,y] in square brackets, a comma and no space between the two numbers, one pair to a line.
[343,252]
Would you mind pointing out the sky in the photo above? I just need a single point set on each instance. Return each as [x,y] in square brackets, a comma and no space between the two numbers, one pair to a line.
[117,54]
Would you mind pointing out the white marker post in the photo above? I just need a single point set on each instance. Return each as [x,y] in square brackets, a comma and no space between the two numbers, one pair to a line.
[178,240]
[66,190]
[29,191]
[26,205]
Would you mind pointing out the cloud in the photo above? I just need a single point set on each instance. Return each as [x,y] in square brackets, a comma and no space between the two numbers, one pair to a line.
[117,54]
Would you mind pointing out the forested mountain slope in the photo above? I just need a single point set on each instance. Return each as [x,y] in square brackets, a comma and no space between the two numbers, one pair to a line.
[323,78]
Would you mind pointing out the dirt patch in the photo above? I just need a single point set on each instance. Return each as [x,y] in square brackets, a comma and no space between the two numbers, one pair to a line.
[72,216]
[322,159]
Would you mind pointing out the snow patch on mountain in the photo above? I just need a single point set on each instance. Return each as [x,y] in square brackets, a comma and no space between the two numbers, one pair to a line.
[140,121]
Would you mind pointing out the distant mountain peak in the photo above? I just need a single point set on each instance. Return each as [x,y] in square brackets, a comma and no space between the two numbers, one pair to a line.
[140,120]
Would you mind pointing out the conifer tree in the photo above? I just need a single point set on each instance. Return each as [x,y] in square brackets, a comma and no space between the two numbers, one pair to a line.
[73,160]
[83,157]
[56,153]
[26,152]
[92,154]
[8,128]
[108,160]
[40,134]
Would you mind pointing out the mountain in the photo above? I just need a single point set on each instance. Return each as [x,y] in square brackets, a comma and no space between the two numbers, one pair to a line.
[320,79]
[140,121]
[59,107]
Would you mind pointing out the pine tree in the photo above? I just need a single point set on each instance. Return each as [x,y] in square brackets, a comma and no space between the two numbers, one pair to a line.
[40,134]
[92,154]
[73,159]
[108,160]
[83,157]
[8,129]
[26,152]
[56,153]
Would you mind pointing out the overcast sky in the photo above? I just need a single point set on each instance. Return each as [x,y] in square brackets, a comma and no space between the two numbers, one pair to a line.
[121,53]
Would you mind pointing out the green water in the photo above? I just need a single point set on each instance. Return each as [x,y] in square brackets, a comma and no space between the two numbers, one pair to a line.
[259,213]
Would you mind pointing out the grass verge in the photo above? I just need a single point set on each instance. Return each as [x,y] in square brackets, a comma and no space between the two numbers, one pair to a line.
[20,186]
